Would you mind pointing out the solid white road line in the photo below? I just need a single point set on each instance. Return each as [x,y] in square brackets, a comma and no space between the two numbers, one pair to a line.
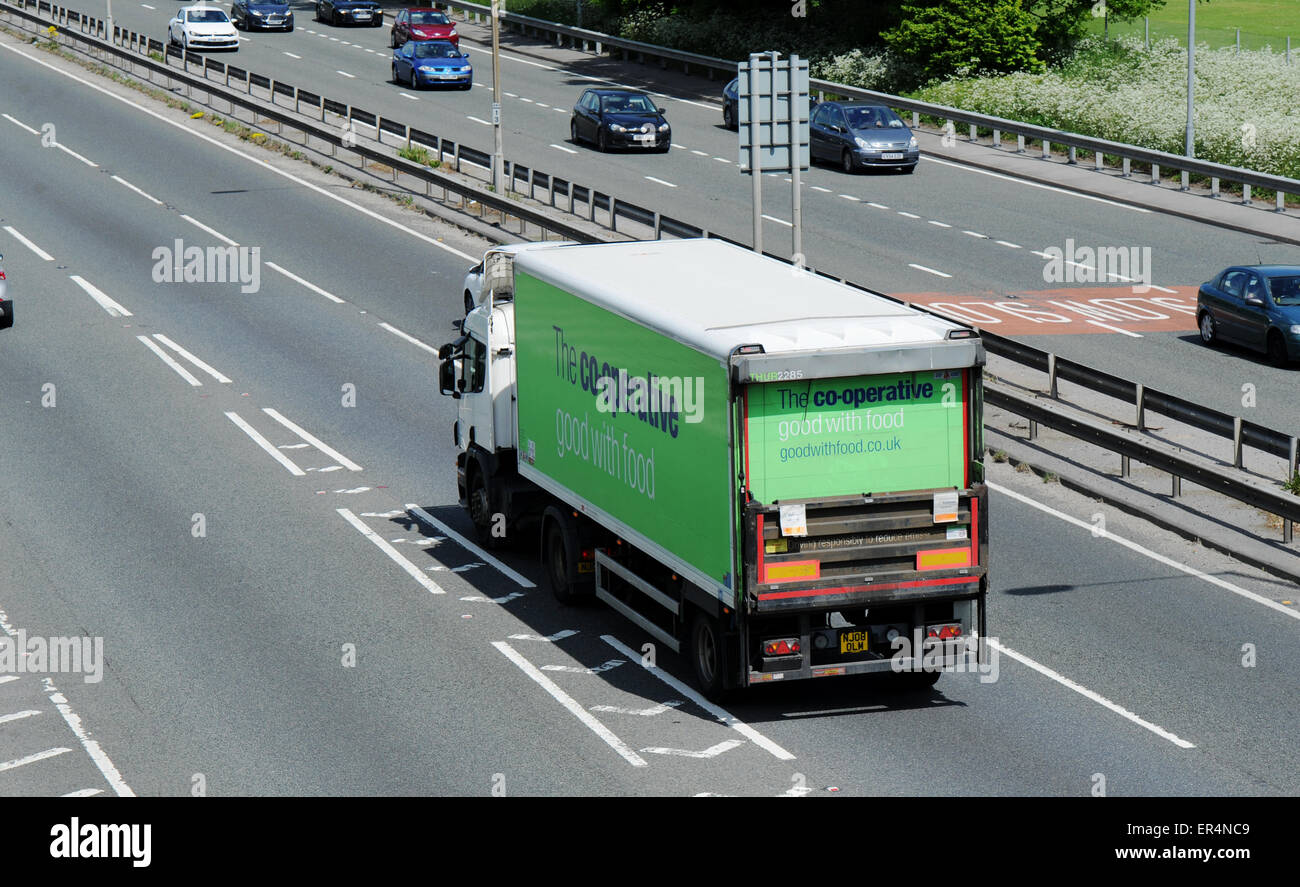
[723,716]
[424,516]
[191,358]
[18,715]
[1089,694]
[314,441]
[122,181]
[711,752]
[113,309]
[409,568]
[1065,191]
[31,246]
[571,704]
[67,150]
[20,123]
[265,444]
[1133,546]
[32,759]
[296,279]
[7,678]
[927,270]
[92,747]
[167,359]
[202,227]
[257,161]
[414,341]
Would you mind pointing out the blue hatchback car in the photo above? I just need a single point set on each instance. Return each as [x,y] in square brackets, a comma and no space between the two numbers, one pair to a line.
[423,63]
[1253,305]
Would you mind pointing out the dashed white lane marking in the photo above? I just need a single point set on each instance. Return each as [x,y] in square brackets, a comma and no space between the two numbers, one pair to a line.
[976,234]
[940,224]
[313,440]
[423,516]
[478,120]
[1089,694]
[291,55]
[18,715]
[529,101]
[723,716]
[92,747]
[577,669]
[927,270]
[1007,244]
[346,74]
[641,712]
[571,704]
[296,279]
[265,444]
[31,246]
[113,308]
[414,341]
[407,95]
[876,205]
[542,105]
[564,149]
[549,639]
[125,183]
[908,215]
[701,153]
[202,227]
[821,189]
[409,568]
[18,122]
[660,182]
[854,199]
[722,159]
[7,678]
[512,95]
[32,759]
[167,359]
[147,6]
[191,358]
[778,221]
[710,752]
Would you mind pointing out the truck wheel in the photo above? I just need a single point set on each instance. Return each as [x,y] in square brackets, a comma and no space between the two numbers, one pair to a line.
[480,510]
[560,558]
[706,654]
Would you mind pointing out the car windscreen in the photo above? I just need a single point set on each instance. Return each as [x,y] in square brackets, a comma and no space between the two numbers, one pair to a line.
[428,18]
[871,118]
[436,51]
[207,15]
[630,104]
[1285,290]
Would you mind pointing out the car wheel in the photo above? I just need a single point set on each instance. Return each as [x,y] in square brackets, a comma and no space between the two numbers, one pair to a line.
[1277,349]
[846,161]
[289,30]
[319,17]
[1208,332]
[378,22]
[728,119]
[602,141]
[396,79]
[573,132]
[334,17]
[908,170]
[468,85]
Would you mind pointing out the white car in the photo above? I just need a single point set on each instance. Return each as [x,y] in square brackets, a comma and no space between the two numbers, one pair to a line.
[202,27]
[473,286]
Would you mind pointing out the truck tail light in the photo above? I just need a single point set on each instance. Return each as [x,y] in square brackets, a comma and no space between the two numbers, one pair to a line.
[781,647]
[943,632]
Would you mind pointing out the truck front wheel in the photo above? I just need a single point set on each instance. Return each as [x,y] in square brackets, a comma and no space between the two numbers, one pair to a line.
[706,654]
[480,510]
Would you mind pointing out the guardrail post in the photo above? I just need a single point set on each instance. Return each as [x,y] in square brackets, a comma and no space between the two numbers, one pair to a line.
[1124,466]
[1073,158]
[1186,181]
[1020,144]
[1281,202]
[1128,172]
[658,229]
[1236,441]
[1155,174]
[916,118]
[1051,373]
[1141,407]
[973,136]
[455,156]
[1175,486]
[613,213]
[1098,161]
[1245,194]
[1047,149]
[1214,186]
[1033,430]
[1292,467]
[997,138]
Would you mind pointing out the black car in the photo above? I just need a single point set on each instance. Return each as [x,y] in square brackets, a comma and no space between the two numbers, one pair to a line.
[265,15]
[1253,305]
[353,12]
[731,104]
[857,135]
[620,118]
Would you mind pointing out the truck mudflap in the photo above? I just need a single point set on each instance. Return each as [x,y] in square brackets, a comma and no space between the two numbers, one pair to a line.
[852,552]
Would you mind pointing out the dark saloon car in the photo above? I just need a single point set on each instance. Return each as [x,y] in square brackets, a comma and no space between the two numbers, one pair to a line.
[261,15]
[1253,305]
[731,104]
[857,136]
[351,12]
[431,63]
[620,118]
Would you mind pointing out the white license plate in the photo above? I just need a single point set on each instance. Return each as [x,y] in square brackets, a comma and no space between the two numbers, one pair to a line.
[647,138]
[363,15]
[892,156]
[448,76]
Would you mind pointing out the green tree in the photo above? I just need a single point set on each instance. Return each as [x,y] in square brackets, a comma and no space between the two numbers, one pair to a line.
[1061,23]
[943,37]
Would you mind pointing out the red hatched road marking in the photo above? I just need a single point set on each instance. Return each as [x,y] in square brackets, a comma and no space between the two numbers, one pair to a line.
[1088,309]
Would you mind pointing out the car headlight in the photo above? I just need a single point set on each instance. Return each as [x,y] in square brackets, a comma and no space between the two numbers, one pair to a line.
[465,70]
[614,127]
[1295,329]
[912,144]
[663,127]
[428,69]
[255,13]
[861,143]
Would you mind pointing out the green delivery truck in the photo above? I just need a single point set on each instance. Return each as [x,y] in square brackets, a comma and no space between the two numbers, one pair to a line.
[771,472]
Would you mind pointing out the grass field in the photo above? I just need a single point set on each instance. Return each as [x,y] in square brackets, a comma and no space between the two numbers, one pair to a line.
[1262,22]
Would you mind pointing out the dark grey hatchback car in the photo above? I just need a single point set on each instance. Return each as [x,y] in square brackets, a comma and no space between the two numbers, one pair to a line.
[857,135]
[1257,306]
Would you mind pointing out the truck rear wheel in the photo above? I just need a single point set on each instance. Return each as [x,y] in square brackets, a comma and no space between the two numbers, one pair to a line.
[560,558]
[706,654]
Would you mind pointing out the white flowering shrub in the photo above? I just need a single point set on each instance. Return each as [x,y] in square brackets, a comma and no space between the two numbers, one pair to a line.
[853,68]
[1247,104]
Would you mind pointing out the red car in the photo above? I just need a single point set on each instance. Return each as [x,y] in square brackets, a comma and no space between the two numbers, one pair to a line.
[422,23]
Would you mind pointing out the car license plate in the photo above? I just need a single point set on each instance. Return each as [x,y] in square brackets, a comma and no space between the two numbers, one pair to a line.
[645,138]
[853,642]
[363,15]
[892,156]
[448,76]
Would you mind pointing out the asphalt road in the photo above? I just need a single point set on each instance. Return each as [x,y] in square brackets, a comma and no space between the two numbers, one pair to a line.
[275,620]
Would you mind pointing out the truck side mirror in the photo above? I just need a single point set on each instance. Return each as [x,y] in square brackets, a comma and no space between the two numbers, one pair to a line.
[447,378]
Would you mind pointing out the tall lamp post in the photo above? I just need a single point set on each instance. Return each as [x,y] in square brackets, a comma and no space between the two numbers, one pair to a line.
[1191,71]
[498,155]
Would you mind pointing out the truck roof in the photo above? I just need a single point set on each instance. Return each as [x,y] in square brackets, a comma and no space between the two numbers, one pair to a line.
[715,296]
